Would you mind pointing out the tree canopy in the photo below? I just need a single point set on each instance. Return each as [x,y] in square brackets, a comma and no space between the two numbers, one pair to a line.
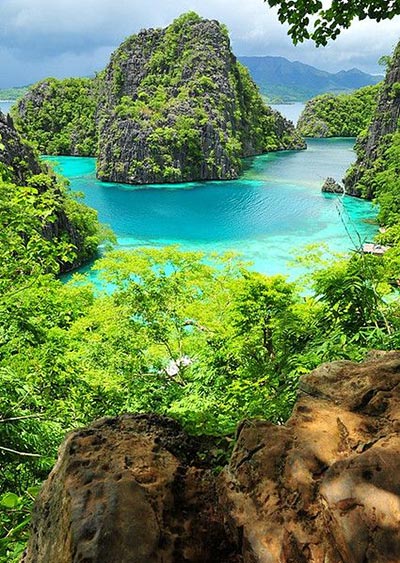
[310,19]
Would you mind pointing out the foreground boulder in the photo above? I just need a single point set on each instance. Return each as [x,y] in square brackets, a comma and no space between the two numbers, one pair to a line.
[129,490]
[324,488]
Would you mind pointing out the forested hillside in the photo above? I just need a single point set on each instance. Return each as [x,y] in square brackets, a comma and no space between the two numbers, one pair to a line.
[65,232]
[59,116]
[342,115]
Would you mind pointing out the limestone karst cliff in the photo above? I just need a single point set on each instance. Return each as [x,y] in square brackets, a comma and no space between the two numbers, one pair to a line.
[173,105]
[59,116]
[323,487]
[177,106]
[371,148]
[67,219]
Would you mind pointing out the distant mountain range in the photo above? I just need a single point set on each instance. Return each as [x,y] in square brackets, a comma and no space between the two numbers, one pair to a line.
[281,80]
[11,94]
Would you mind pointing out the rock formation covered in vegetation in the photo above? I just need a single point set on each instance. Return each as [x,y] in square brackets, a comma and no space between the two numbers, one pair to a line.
[322,487]
[340,115]
[59,116]
[177,106]
[173,105]
[35,200]
[375,152]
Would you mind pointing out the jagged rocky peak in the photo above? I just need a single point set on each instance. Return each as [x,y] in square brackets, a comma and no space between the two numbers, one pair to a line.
[175,105]
[323,487]
[385,123]
[331,186]
[18,160]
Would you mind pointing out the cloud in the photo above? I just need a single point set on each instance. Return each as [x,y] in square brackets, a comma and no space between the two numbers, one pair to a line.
[40,38]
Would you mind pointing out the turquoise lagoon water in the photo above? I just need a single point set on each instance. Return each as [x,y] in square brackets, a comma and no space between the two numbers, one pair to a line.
[272,211]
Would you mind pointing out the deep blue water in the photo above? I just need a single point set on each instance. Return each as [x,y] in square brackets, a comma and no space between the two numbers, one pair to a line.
[272,211]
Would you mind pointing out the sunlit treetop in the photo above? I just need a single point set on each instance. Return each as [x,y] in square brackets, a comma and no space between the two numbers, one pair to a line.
[321,21]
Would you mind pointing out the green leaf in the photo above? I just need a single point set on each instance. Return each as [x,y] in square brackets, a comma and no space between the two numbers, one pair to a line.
[9,500]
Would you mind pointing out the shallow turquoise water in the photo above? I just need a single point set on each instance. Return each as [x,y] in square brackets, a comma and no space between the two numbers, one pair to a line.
[274,209]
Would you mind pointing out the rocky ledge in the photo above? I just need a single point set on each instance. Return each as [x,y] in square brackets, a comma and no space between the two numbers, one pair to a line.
[323,488]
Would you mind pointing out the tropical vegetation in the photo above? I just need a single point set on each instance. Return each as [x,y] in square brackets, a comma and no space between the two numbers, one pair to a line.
[340,115]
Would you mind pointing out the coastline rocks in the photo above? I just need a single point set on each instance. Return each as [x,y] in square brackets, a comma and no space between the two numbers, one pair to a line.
[17,159]
[370,148]
[324,487]
[330,186]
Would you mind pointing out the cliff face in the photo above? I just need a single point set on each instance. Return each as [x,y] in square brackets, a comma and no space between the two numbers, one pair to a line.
[339,115]
[20,165]
[176,106]
[385,123]
[323,487]
[17,159]
[172,105]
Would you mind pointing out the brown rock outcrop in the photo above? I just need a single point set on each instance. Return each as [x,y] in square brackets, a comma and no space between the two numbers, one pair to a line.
[129,490]
[323,488]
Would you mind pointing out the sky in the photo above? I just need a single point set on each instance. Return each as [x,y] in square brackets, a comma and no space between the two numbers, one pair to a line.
[40,38]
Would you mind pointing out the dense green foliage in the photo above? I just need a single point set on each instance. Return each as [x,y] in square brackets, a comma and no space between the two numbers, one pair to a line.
[342,115]
[323,21]
[376,173]
[58,116]
[382,179]
[196,337]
